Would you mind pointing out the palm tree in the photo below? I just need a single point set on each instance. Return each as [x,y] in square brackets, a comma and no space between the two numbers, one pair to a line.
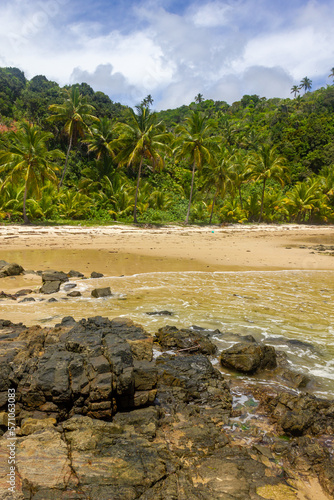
[295,90]
[99,142]
[27,158]
[75,113]
[305,84]
[215,176]
[303,198]
[331,75]
[141,139]
[199,98]
[147,101]
[266,164]
[196,142]
[238,173]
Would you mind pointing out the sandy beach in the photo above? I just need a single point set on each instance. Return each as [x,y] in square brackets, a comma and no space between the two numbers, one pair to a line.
[231,247]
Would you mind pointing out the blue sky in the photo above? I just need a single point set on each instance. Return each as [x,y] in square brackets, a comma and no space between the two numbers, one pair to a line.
[171,50]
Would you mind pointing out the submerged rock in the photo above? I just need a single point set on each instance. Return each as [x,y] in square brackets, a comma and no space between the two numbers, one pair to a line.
[96,275]
[101,292]
[170,337]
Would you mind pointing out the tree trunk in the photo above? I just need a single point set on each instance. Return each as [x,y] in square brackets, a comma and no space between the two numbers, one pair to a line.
[241,203]
[137,189]
[213,205]
[66,161]
[25,217]
[262,199]
[191,192]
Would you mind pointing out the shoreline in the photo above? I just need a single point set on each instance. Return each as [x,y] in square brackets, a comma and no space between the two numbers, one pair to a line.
[211,248]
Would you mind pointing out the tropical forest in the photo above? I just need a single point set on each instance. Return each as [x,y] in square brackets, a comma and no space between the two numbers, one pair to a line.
[72,154]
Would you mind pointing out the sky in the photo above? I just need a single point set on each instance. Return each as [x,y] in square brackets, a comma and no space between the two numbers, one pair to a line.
[170,49]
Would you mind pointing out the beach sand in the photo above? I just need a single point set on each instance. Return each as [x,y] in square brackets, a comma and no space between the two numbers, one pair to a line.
[127,249]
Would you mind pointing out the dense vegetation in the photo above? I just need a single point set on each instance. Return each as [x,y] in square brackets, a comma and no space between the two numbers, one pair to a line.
[73,154]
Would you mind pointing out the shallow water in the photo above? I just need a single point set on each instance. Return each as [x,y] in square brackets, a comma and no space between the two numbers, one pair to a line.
[275,306]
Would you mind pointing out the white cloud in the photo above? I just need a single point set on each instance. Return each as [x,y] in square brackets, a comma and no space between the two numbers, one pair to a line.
[220,48]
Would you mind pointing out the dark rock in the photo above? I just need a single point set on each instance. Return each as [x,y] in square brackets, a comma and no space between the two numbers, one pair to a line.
[101,292]
[169,337]
[96,275]
[249,357]
[50,287]
[10,270]
[160,313]
[52,300]
[75,274]
[67,321]
[5,295]
[54,276]
[21,293]
[74,294]
[27,299]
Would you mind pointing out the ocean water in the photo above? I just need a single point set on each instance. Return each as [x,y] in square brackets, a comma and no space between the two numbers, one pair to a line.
[278,307]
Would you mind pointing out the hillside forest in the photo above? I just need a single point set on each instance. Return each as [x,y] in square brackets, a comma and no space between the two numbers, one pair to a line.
[72,154]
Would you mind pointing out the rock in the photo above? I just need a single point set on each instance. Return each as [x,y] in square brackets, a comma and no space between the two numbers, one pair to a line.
[50,287]
[101,292]
[74,294]
[3,263]
[69,286]
[249,357]
[169,337]
[11,270]
[160,313]
[75,274]
[27,299]
[52,300]
[21,293]
[54,276]
[31,425]
[96,275]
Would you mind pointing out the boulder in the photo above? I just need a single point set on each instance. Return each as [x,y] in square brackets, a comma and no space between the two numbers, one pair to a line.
[74,294]
[170,337]
[96,275]
[54,276]
[249,357]
[69,286]
[50,287]
[10,270]
[75,274]
[101,292]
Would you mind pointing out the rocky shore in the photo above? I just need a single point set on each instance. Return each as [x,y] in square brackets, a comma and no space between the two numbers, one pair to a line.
[105,411]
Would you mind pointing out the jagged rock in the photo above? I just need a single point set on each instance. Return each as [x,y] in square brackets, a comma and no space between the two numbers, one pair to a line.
[302,413]
[50,287]
[169,337]
[101,292]
[96,275]
[11,270]
[249,357]
[75,274]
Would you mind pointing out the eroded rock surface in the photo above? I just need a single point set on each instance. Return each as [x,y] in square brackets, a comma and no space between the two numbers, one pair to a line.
[99,418]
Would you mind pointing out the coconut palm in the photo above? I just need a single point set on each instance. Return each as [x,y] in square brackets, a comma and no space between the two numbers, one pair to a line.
[142,138]
[147,101]
[305,84]
[266,164]
[215,176]
[331,75]
[199,98]
[303,198]
[99,143]
[295,90]
[238,173]
[196,142]
[76,114]
[26,158]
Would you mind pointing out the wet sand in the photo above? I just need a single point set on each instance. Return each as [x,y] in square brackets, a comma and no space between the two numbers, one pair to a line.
[121,249]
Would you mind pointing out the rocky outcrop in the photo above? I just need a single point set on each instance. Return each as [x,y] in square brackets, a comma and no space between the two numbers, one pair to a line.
[98,418]
[249,357]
